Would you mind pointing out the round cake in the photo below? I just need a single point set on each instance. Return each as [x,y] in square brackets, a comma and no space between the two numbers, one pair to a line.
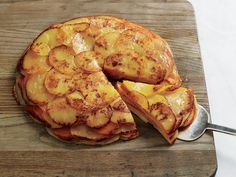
[65,77]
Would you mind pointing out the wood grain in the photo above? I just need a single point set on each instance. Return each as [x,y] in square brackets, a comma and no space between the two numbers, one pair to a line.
[25,147]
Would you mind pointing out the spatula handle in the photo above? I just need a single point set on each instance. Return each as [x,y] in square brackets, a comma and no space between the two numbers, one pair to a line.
[221,129]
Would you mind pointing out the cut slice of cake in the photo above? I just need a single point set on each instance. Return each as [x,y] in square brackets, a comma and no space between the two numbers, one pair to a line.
[167,111]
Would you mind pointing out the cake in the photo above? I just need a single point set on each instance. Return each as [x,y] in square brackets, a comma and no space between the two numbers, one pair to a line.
[67,80]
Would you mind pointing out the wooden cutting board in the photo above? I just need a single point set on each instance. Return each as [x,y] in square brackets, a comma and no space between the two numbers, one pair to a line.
[25,147]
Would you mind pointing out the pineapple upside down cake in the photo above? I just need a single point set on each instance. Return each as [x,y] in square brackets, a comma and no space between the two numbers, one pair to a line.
[62,80]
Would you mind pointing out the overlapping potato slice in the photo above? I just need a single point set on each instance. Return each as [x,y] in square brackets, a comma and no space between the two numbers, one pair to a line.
[63,133]
[77,101]
[181,102]
[35,89]
[105,43]
[59,84]
[62,59]
[188,119]
[102,24]
[39,113]
[144,89]
[61,112]
[83,131]
[46,41]
[82,42]
[159,50]
[122,64]
[132,39]
[121,113]
[97,90]
[99,118]
[34,63]
[69,31]
[163,115]
[119,105]
[58,35]
[88,61]
[153,70]
[108,129]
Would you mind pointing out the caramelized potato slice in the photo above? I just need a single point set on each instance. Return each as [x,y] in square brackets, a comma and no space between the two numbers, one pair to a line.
[141,100]
[168,124]
[107,92]
[159,109]
[83,131]
[46,41]
[188,119]
[34,63]
[63,133]
[62,59]
[68,31]
[153,70]
[181,101]
[126,64]
[99,118]
[108,129]
[119,117]
[36,91]
[143,88]
[40,114]
[97,90]
[164,116]
[132,39]
[77,101]
[159,50]
[82,42]
[148,89]
[105,43]
[156,102]
[61,112]
[87,61]
[119,105]
[58,84]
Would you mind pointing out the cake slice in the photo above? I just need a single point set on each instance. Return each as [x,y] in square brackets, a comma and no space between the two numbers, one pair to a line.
[167,111]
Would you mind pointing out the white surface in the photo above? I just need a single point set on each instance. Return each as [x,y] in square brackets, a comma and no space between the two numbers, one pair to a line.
[216,24]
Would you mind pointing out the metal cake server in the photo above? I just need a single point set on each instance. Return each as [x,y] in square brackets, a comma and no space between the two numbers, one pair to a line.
[200,125]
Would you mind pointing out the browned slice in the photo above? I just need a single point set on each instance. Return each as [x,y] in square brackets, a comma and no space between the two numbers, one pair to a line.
[40,114]
[77,101]
[47,40]
[99,118]
[124,64]
[181,102]
[97,90]
[82,42]
[62,59]
[83,131]
[132,39]
[63,133]
[87,62]
[108,129]
[34,63]
[164,110]
[61,112]
[59,84]
[36,91]
[105,43]
[68,32]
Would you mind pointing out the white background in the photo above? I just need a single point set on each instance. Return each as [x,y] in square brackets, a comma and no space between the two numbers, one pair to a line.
[216,25]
